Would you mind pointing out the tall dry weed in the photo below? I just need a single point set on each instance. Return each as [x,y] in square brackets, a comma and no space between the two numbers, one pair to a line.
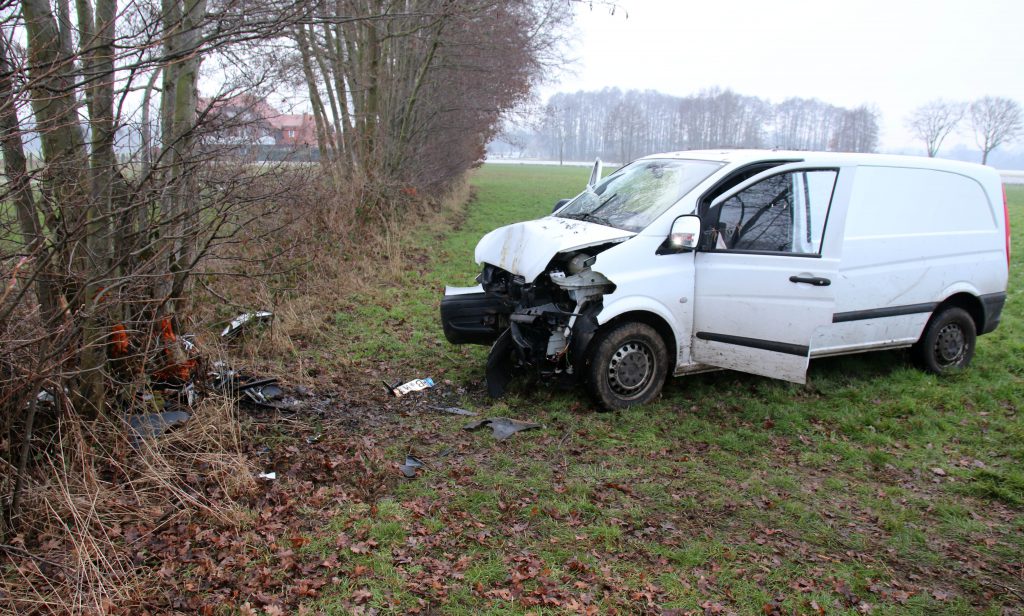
[78,549]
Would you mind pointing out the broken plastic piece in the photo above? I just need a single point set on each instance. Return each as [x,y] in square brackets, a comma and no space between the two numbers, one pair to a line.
[154,424]
[414,385]
[454,410]
[411,464]
[501,427]
[243,320]
[268,476]
[261,393]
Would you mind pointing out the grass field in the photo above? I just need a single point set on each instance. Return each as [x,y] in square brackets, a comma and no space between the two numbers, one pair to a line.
[874,488]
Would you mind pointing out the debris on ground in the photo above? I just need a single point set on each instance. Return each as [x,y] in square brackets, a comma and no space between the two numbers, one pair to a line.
[411,464]
[268,476]
[454,410]
[244,320]
[261,393]
[501,427]
[152,425]
[414,385]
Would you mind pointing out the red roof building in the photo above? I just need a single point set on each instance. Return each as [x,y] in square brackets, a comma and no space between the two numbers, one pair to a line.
[246,118]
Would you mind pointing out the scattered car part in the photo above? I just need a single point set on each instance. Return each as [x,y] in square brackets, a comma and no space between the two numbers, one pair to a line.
[411,464]
[152,425]
[261,393]
[245,320]
[501,427]
[414,385]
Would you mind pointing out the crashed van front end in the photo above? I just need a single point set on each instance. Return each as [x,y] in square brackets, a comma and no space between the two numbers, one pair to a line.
[545,324]
[537,310]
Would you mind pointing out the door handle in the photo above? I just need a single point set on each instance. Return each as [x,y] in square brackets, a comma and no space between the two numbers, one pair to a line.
[816,281]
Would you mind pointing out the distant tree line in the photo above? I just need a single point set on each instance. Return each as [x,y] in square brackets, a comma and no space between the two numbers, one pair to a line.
[623,125]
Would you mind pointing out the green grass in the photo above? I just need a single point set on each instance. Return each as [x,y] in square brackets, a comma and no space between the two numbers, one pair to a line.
[730,490]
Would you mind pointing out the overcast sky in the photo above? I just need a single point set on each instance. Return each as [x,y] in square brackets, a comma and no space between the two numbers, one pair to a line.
[894,54]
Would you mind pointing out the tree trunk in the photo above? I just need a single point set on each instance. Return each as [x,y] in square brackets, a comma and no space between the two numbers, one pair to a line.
[55,107]
[319,116]
[16,169]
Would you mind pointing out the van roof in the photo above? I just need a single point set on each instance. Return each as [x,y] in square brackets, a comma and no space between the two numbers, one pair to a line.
[831,158]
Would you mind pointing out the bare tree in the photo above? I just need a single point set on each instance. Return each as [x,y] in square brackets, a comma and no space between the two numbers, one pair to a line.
[95,244]
[408,95]
[995,120]
[934,121]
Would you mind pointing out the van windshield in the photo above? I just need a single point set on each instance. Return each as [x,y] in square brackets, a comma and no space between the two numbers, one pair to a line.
[632,197]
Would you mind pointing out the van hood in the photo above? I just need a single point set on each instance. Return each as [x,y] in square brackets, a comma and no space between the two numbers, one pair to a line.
[526,248]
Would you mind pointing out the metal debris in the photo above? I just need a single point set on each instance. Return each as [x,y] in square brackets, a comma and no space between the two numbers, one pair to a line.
[244,320]
[411,464]
[501,427]
[152,425]
[454,410]
[261,393]
[414,385]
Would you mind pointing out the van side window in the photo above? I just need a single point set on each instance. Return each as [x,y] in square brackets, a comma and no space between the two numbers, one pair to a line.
[783,213]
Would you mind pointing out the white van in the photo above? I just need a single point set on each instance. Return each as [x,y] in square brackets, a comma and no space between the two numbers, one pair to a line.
[748,260]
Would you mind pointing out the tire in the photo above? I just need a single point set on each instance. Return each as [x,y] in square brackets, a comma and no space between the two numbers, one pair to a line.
[947,344]
[500,365]
[627,366]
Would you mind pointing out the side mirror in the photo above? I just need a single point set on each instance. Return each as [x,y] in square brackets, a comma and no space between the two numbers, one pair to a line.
[684,235]
[559,205]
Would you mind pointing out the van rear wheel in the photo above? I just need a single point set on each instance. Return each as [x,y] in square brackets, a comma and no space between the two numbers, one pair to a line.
[627,366]
[947,344]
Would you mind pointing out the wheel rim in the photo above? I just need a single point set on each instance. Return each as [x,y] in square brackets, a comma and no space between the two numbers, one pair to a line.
[631,368]
[950,345]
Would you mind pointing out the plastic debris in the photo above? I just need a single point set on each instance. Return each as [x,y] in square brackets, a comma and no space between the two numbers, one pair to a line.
[414,385]
[244,320]
[501,427]
[261,393]
[411,464]
[268,476]
[152,425]
[454,410]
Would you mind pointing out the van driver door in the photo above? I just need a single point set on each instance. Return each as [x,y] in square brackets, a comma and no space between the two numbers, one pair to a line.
[765,271]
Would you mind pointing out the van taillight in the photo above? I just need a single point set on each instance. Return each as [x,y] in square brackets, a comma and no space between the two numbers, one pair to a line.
[1006,218]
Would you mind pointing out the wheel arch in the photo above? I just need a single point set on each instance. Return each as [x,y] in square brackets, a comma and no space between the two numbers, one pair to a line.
[967,301]
[656,321]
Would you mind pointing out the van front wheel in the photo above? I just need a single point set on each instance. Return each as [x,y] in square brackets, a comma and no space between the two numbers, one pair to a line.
[947,344]
[627,366]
